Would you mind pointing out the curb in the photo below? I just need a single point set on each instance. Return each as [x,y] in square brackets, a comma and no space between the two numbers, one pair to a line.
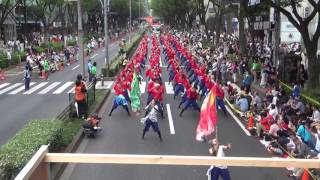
[58,169]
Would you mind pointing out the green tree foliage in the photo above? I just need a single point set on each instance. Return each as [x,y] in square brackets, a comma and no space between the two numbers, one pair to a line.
[47,11]
[179,13]
[301,22]
[6,10]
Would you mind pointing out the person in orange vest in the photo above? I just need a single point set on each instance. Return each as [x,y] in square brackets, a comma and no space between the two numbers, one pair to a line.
[80,97]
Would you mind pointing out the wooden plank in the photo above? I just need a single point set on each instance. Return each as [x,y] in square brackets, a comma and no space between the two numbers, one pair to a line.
[33,164]
[180,160]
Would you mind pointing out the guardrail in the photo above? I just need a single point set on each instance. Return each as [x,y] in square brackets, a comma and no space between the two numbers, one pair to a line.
[37,167]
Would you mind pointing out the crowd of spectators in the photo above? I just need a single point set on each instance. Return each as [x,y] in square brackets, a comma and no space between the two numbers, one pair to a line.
[287,125]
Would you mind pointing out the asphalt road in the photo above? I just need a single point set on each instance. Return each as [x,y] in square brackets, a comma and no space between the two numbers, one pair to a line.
[17,109]
[122,135]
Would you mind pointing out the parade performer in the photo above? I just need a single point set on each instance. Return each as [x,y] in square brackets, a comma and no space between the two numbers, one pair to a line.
[151,120]
[135,95]
[215,171]
[191,100]
[120,100]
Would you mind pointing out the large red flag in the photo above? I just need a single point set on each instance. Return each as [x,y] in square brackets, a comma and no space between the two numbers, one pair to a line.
[208,116]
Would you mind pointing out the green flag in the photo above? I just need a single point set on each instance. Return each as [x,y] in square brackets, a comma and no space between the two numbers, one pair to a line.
[135,94]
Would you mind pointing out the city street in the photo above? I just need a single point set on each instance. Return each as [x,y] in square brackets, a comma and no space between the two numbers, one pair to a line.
[45,99]
[122,135]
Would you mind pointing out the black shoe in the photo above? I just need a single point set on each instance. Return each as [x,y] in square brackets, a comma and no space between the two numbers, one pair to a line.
[109,114]
[180,114]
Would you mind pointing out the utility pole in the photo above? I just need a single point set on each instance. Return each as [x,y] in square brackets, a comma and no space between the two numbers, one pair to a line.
[80,38]
[106,37]
[130,21]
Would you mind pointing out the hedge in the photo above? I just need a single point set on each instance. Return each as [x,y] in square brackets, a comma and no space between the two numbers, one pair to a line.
[71,43]
[116,61]
[57,133]
[19,150]
[3,60]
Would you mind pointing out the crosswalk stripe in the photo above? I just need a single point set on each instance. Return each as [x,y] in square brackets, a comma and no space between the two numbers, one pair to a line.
[71,90]
[21,88]
[143,87]
[62,88]
[49,88]
[10,88]
[32,90]
[169,88]
[4,85]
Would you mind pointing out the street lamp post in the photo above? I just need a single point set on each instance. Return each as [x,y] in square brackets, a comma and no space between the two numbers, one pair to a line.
[130,21]
[80,37]
[106,37]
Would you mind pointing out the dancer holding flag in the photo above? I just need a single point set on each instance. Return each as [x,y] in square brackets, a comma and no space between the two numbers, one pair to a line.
[208,116]
[135,95]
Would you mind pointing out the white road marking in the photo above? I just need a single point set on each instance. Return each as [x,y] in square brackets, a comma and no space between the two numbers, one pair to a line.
[143,87]
[238,121]
[10,88]
[94,56]
[47,89]
[62,88]
[71,90]
[160,62]
[171,126]
[110,84]
[169,88]
[21,89]
[4,85]
[32,90]
[75,67]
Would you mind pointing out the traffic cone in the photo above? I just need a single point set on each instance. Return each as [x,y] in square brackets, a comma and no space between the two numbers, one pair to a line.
[305,175]
[250,122]
[2,76]
[42,75]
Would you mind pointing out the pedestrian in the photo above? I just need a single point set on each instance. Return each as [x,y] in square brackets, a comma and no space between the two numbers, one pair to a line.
[46,68]
[151,120]
[80,98]
[94,72]
[27,78]
[215,171]
[89,65]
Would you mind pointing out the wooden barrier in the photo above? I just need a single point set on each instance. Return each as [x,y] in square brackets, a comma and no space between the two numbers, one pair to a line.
[180,160]
[37,167]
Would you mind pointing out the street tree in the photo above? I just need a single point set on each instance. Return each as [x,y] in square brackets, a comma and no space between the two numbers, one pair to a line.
[94,11]
[177,13]
[6,10]
[289,8]
[201,10]
[47,11]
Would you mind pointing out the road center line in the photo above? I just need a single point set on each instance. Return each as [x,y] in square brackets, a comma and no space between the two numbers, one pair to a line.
[171,126]
[94,56]
[76,67]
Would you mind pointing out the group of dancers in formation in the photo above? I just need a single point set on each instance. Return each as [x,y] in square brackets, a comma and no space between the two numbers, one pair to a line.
[188,78]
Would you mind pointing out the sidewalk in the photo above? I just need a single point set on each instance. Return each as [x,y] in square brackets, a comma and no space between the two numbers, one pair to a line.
[15,72]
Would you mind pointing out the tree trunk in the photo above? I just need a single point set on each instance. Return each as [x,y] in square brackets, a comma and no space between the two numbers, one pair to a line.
[242,37]
[313,66]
